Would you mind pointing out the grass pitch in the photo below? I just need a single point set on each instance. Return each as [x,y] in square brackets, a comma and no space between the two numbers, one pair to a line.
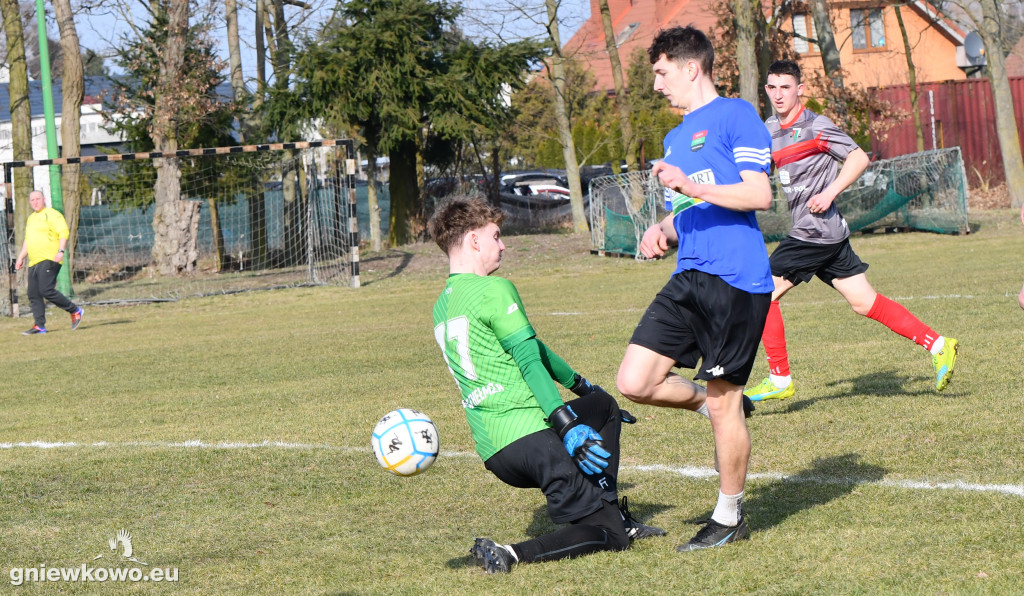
[230,436]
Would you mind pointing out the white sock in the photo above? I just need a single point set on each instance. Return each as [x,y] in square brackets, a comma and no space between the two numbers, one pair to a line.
[729,509]
[703,410]
[938,345]
[509,548]
[781,382]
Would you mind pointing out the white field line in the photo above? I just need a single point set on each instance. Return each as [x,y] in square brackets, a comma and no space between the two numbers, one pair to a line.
[1016,490]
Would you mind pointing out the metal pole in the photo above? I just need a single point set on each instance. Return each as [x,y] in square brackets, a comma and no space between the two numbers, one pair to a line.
[56,191]
[9,240]
[351,167]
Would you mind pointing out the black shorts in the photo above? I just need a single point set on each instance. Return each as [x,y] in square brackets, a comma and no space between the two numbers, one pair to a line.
[698,316]
[798,261]
[539,460]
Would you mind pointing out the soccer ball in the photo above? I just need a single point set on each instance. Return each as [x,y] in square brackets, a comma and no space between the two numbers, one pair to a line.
[405,442]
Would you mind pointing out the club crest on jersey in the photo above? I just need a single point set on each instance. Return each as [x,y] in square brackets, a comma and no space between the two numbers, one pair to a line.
[796,133]
[697,142]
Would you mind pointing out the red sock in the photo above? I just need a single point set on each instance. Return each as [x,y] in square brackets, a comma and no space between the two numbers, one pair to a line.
[774,340]
[894,316]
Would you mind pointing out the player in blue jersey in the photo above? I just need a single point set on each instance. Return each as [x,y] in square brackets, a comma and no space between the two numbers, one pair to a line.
[712,310]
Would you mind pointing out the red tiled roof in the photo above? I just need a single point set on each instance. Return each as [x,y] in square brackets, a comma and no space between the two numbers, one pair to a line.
[646,17]
[650,16]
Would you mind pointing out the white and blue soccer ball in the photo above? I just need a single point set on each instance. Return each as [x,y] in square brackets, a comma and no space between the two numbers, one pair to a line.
[405,442]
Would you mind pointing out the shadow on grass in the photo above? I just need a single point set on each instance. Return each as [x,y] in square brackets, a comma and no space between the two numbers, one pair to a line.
[384,259]
[827,479]
[87,324]
[884,383]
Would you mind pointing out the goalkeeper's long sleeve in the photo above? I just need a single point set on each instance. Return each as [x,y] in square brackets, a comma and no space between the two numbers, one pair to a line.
[533,359]
[558,368]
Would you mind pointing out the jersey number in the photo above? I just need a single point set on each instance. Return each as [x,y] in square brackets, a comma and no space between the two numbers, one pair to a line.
[456,330]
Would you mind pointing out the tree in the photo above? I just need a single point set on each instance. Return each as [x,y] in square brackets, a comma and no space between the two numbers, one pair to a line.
[621,97]
[93,64]
[556,67]
[21,114]
[167,100]
[372,66]
[851,107]
[472,105]
[175,222]
[72,94]
[746,55]
[997,23]
[397,73]
[989,26]
[593,122]
[911,78]
[827,44]
[30,41]
[247,130]
[770,43]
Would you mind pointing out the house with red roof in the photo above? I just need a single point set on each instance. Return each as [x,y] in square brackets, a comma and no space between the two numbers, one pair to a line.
[867,34]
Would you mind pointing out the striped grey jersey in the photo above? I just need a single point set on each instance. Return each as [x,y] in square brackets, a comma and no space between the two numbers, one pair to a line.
[807,154]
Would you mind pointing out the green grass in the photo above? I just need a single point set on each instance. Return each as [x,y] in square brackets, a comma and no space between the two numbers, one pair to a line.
[848,480]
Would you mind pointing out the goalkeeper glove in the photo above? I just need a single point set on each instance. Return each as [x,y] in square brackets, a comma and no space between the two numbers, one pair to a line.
[581,442]
[580,386]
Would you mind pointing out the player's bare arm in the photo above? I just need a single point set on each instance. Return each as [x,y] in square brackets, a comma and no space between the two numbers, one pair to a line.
[856,162]
[754,193]
[658,238]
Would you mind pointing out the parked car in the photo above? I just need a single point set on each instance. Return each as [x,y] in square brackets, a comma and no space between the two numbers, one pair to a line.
[535,183]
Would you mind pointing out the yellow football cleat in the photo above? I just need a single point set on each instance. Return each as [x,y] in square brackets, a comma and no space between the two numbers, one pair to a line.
[944,362]
[767,390]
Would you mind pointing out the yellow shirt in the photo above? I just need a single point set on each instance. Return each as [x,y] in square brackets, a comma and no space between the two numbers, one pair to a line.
[43,231]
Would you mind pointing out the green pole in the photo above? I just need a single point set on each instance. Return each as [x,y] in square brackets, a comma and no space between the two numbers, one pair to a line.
[56,190]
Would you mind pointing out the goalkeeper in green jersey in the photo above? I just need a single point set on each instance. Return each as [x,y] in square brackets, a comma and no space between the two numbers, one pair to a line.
[524,433]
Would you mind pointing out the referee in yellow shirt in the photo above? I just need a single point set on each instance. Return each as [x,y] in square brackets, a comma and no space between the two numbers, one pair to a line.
[46,235]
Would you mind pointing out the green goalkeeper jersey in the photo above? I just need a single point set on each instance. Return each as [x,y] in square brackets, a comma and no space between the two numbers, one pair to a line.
[477,322]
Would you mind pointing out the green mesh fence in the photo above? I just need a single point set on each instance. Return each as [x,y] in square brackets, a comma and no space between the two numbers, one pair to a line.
[922,191]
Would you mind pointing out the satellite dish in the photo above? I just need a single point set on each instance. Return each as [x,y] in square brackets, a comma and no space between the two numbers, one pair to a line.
[973,46]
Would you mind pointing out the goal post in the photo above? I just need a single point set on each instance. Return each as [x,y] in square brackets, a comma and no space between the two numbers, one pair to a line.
[258,216]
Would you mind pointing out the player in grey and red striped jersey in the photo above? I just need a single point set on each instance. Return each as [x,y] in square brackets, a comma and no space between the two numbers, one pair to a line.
[807,149]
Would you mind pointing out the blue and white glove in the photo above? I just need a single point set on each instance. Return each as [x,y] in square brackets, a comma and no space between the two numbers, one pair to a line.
[581,442]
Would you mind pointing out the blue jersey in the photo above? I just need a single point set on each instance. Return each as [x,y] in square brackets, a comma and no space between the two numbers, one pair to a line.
[712,145]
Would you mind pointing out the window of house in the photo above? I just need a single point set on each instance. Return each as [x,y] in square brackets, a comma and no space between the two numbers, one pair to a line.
[868,29]
[626,33]
[803,27]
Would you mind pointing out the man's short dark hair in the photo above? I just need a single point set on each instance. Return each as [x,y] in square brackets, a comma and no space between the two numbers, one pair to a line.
[459,216]
[785,67]
[680,44]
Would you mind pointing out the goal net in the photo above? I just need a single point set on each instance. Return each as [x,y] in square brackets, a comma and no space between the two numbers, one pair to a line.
[268,216]
[924,191]
[622,206]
